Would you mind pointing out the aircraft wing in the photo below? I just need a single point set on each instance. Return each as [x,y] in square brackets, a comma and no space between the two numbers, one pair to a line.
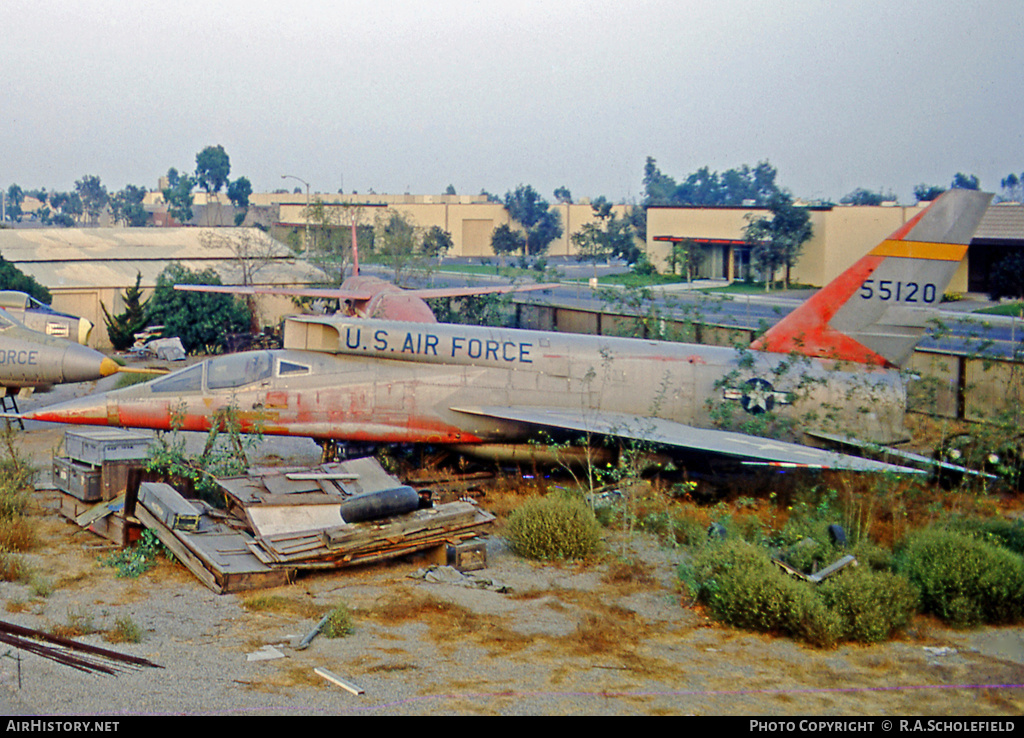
[428,293]
[747,449]
[343,293]
[333,293]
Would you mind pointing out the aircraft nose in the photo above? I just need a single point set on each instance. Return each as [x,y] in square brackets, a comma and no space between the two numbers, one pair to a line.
[82,364]
[89,410]
[84,329]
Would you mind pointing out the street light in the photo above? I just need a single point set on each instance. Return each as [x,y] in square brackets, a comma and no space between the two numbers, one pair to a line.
[292,176]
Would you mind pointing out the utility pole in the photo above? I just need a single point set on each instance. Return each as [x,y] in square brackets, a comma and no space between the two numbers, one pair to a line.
[292,176]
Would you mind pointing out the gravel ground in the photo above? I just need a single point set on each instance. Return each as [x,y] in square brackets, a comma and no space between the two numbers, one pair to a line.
[542,639]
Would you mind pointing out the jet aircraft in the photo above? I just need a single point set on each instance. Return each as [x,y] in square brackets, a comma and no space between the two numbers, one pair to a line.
[367,296]
[831,364]
[43,318]
[32,360]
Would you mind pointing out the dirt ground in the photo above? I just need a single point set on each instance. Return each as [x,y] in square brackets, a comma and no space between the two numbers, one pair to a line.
[608,637]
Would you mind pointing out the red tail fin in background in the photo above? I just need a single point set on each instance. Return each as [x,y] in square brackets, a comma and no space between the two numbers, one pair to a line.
[876,311]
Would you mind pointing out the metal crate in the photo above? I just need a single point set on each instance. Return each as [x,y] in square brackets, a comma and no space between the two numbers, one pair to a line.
[78,480]
[97,445]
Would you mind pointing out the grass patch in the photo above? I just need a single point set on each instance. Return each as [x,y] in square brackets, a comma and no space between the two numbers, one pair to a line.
[488,270]
[13,568]
[739,584]
[125,630]
[756,288]
[17,532]
[79,623]
[1011,309]
[632,279]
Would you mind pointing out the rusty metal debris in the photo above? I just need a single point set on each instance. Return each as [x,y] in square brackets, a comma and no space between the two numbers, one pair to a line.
[81,656]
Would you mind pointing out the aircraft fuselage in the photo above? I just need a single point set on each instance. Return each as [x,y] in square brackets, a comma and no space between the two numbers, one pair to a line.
[386,381]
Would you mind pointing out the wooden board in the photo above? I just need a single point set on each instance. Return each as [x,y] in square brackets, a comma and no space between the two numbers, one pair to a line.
[374,541]
[217,555]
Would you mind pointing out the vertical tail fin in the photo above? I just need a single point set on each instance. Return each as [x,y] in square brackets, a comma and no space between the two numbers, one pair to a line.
[876,311]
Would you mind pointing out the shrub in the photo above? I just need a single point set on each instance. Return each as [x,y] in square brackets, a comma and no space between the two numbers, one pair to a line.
[339,622]
[553,527]
[17,532]
[135,560]
[741,587]
[12,567]
[871,605]
[964,580]
[1006,533]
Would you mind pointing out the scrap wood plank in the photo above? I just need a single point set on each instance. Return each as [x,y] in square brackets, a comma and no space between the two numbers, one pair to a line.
[371,543]
[329,560]
[102,510]
[331,677]
[200,551]
[191,562]
[451,514]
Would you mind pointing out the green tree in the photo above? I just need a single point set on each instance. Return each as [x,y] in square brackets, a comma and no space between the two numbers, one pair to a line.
[436,242]
[927,193]
[686,256]
[542,224]
[1013,187]
[776,240]
[506,240]
[213,165]
[68,206]
[121,328]
[93,195]
[239,192]
[450,190]
[563,196]
[395,243]
[658,188]
[743,185]
[963,181]
[202,320]
[606,237]
[15,197]
[126,206]
[861,196]
[178,195]
[12,278]
[329,235]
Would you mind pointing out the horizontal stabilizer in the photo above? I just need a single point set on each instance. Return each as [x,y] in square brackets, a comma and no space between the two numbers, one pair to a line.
[670,433]
[884,452]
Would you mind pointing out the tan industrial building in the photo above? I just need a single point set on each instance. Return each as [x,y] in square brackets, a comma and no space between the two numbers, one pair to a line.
[85,268]
[470,219]
[841,235]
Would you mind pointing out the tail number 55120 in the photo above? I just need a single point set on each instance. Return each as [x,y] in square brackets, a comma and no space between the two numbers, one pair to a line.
[896,291]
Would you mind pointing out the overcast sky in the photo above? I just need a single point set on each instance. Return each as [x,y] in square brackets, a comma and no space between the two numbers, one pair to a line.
[403,96]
